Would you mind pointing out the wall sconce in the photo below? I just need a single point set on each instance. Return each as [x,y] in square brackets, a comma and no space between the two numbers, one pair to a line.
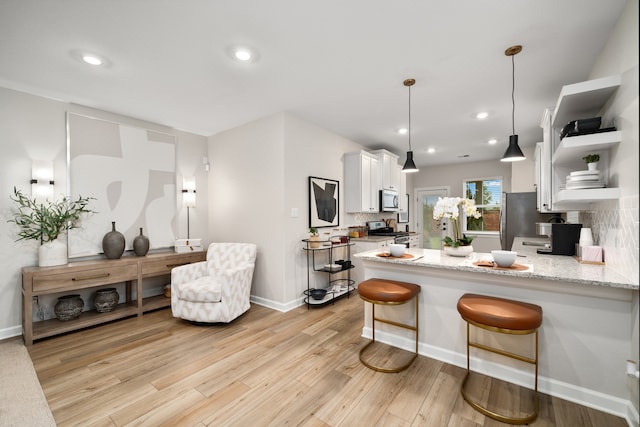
[42,180]
[188,196]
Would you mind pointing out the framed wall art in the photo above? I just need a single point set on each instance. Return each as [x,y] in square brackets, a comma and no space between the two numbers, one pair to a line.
[131,173]
[324,202]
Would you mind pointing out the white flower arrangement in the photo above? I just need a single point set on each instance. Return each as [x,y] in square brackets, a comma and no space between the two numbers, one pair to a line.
[450,207]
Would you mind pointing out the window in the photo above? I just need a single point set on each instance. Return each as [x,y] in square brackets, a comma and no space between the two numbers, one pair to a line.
[487,193]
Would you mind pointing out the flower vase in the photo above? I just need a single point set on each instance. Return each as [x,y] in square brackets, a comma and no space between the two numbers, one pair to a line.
[593,166]
[113,243]
[52,253]
[460,251]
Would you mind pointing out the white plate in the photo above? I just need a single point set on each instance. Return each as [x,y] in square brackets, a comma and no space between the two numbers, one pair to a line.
[583,178]
[581,186]
[587,172]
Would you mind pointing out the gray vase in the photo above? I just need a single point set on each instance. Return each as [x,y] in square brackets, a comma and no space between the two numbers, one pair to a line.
[68,307]
[113,243]
[106,300]
[141,244]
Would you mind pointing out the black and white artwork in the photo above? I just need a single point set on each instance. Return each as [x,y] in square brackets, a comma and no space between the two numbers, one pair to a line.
[131,173]
[324,205]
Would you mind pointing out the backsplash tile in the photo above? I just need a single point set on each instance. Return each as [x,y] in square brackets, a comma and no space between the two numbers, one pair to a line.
[614,225]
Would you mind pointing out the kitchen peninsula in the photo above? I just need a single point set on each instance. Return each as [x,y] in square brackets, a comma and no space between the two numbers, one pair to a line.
[588,319]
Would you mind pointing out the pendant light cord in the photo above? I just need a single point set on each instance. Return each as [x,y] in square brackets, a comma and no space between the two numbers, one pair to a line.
[513,99]
[409,118]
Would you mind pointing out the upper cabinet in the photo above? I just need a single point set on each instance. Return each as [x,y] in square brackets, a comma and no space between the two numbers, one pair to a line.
[362,182]
[388,170]
[560,157]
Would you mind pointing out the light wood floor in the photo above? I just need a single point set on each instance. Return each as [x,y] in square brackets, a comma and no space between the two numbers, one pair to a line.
[265,368]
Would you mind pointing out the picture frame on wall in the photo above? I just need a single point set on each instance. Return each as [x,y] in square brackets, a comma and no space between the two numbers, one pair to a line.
[324,202]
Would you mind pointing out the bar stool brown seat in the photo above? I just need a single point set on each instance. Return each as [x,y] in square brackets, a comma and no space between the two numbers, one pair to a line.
[507,317]
[388,292]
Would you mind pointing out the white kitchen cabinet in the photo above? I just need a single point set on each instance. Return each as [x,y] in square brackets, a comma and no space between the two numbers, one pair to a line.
[389,173]
[363,246]
[543,164]
[362,182]
[558,158]
[414,241]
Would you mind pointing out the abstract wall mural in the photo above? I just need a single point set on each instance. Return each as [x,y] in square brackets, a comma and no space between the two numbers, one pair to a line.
[131,173]
[324,202]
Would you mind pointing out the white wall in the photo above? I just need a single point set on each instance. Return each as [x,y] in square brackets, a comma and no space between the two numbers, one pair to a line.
[620,56]
[252,196]
[34,128]
[452,176]
[523,172]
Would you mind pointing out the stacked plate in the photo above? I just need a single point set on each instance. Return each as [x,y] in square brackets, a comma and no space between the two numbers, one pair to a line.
[584,179]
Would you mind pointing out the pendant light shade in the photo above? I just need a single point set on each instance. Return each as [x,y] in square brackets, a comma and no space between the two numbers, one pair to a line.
[513,153]
[409,165]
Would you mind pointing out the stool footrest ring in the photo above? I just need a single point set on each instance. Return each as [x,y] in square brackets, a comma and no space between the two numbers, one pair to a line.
[380,368]
[499,417]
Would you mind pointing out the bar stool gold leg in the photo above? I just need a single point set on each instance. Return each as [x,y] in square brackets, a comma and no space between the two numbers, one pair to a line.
[390,322]
[485,411]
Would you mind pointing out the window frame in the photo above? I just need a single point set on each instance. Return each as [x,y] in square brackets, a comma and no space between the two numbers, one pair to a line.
[498,204]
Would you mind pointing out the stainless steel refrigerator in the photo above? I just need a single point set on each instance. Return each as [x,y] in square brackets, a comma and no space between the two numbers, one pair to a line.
[518,217]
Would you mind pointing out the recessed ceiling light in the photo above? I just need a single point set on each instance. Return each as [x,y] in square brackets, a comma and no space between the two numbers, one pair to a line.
[431,150]
[482,115]
[244,54]
[403,131]
[492,141]
[91,59]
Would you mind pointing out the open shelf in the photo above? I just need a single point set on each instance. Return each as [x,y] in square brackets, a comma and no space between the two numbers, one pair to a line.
[583,100]
[155,302]
[50,327]
[587,195]
[573,148]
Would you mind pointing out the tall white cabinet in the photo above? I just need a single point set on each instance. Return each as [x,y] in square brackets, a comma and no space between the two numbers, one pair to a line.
[362,182]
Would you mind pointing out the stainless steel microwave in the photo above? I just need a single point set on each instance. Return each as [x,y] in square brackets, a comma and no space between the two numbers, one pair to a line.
[388,201]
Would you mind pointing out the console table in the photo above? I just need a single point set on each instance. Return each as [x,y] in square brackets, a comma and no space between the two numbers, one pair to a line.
[80,275]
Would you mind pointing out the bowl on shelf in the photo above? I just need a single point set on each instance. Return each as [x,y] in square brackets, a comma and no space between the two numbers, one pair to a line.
[504,258]
[317,294]
[397,250]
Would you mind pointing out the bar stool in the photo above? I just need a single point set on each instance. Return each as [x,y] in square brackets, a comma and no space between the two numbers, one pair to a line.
[388,292]
[506,317]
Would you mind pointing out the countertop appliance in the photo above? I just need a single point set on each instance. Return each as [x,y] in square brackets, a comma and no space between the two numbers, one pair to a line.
[563,239]
[380,228]
[388,201]
[518,217]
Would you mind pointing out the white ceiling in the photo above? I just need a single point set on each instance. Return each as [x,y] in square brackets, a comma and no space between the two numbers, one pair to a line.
[339,64]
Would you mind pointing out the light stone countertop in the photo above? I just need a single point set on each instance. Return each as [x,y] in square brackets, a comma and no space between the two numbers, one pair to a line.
[548,267]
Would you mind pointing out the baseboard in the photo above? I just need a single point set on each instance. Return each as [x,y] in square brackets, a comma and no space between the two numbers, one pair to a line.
[11,332]
[582,396]
[274,305]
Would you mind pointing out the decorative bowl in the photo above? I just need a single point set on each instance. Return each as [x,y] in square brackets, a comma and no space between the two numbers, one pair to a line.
[317,294]
[504,258]
[397,250]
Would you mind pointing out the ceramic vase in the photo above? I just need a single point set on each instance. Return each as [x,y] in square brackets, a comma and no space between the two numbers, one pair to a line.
[460,251]
[106,300]
[113,243]
[68,307]
[141,244]
[52,253]
[593,166]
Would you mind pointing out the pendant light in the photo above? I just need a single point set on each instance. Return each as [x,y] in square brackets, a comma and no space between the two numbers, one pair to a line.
[409,165]
[513,153]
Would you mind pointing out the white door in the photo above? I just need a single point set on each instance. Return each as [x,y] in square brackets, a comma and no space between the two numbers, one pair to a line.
[432,231]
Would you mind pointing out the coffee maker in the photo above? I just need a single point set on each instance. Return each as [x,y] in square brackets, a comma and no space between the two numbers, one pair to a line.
[563,239]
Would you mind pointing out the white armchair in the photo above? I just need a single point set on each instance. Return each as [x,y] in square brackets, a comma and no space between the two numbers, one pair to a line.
[215,290]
